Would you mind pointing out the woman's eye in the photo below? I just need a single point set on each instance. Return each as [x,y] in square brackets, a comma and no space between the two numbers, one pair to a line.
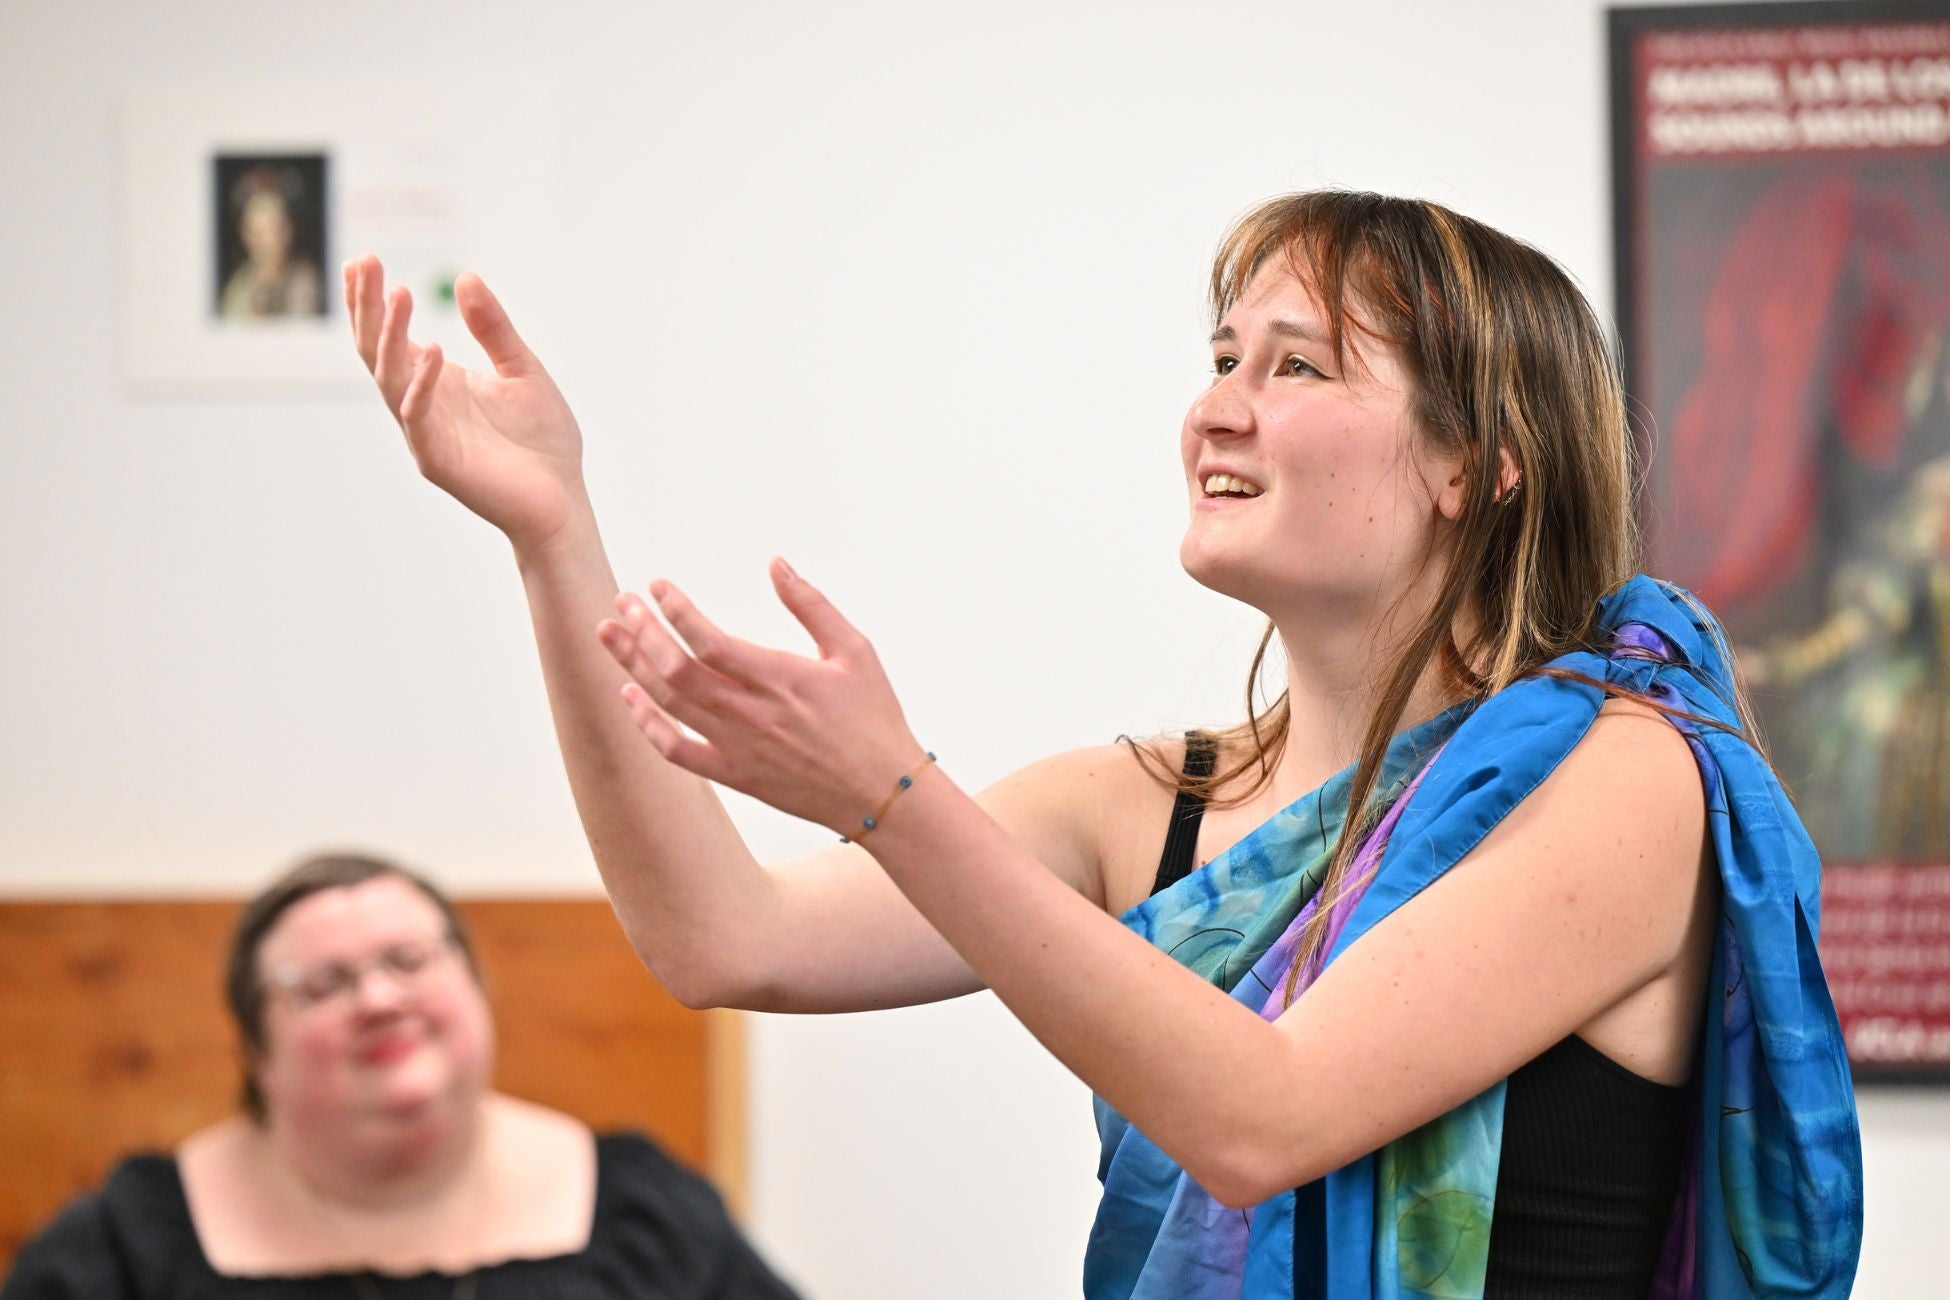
[1224,365]
[406,959]
[1299,367]
[325,983]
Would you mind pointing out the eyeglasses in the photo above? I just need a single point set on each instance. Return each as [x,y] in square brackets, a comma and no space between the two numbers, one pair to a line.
[406,964]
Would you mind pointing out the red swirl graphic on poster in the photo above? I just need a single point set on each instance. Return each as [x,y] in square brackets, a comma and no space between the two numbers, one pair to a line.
[1785,290]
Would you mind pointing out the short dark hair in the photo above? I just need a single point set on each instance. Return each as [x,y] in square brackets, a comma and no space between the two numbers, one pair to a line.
[243,983]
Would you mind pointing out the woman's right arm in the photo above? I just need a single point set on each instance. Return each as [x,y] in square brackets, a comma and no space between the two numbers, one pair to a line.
[826,932]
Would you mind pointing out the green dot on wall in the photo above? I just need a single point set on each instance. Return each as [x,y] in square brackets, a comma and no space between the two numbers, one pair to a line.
[443,289]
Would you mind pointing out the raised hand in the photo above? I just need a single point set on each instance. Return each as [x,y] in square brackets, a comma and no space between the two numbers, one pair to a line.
[504,445]
[819,738]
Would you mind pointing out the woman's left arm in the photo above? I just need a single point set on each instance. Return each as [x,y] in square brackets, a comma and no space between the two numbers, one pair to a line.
[1581,896]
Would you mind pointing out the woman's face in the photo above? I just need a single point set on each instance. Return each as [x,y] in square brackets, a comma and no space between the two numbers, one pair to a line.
[372,1017]
[1311,488]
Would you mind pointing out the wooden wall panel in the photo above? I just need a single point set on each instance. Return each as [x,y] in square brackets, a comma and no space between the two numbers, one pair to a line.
[113,1038]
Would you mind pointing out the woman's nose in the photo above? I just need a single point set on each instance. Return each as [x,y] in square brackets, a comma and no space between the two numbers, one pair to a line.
[1223,410]
[380,989]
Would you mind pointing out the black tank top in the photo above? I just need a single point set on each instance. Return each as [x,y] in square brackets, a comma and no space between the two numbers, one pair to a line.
[1591,1156]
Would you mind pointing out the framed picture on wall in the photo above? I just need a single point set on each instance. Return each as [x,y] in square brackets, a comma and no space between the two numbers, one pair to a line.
[1782,189]
[272,239]
[240,200]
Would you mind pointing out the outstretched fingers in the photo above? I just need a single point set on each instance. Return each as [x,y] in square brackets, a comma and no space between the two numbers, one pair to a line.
[418,400]
[394,370]
[739,660]
[666,738]
[835,637]
[687,690]
[488,321]
[365,295]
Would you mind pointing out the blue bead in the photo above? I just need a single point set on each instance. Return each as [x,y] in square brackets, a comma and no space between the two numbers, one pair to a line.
[869,823]
[906,781]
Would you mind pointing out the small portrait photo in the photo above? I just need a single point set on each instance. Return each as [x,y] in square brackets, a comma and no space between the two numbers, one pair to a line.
[271,236]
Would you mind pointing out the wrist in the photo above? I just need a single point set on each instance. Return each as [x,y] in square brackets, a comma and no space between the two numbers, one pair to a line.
[877,807]
[570,543]
[933,821]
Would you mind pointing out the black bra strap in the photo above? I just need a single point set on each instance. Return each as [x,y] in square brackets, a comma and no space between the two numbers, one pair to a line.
[1181,835]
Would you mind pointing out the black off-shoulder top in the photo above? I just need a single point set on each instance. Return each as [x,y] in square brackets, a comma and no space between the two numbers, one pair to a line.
[658,1230]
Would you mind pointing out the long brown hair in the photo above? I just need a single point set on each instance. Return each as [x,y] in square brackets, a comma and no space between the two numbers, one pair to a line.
[1504,355]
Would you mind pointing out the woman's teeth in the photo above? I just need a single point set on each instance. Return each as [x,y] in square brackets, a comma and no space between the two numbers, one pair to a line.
[1225,485]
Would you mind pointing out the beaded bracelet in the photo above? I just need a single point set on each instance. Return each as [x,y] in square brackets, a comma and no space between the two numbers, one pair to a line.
[881,811]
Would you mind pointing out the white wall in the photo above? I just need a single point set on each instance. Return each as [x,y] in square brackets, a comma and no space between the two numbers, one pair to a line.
[909,294]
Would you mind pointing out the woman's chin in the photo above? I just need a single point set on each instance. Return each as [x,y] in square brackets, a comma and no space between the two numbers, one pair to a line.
[416,1089]
[1222,574]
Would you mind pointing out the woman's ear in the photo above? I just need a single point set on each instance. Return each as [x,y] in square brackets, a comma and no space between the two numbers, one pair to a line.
[1509,475]
[1453,492]
[1451,495]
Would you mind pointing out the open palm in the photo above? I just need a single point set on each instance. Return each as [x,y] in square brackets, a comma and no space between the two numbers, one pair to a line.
[503,444]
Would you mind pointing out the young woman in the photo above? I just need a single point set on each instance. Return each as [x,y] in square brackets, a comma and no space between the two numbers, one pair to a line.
[1482,964]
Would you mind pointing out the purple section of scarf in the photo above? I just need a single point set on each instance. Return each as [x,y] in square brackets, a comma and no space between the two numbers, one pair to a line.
[1274,968]
[1637,636]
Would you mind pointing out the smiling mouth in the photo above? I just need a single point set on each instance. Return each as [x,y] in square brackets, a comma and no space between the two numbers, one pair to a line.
[1230,485]
[391,1048]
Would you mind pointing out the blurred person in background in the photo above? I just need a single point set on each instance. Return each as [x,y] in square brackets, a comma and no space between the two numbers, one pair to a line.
[373,1158]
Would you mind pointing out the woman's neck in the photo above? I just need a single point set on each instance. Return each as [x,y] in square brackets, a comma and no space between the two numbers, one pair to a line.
[1338,671]
[412,1168]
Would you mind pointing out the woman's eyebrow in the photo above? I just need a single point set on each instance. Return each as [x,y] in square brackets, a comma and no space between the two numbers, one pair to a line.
[1306,331]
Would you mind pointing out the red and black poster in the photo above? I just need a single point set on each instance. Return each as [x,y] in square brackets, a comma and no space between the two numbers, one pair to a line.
[1782,179]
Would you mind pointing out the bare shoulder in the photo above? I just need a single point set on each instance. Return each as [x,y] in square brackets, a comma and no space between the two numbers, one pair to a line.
[1082,811]
[1610,865]
[542,1165]
[535,1129]
[206,1143]
[228,1190]
[1620,707]
[1095,767]
[215,1156]
[1638,750]
[1627,800]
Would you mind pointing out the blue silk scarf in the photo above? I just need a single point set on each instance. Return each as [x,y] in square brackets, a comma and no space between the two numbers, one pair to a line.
[1771,1205]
